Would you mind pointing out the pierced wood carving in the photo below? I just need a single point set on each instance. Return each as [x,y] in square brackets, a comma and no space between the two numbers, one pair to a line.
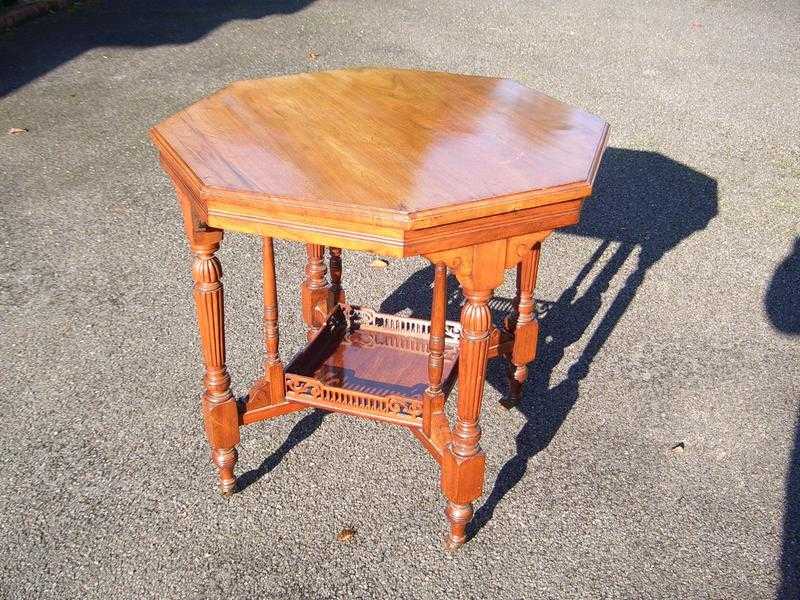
[311,391]
[367,318]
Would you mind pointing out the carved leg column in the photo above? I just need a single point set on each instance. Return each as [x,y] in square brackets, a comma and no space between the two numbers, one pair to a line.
[219,407]
[464,463]
[315,292]
[434,421]
[335,267]
[523,324]
[479,269]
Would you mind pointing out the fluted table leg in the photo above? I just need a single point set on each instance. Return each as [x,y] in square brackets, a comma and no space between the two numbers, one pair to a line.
[464,463]
[220,412]
[219,407]
[480,270]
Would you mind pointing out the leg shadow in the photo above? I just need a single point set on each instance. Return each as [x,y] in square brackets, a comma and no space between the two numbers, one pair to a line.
[643,201]
[301,431]
[643,206]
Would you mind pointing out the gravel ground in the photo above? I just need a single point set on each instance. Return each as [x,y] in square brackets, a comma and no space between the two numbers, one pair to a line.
[670,315]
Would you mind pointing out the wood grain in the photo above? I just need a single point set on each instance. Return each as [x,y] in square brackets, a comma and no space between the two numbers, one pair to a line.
[401,148]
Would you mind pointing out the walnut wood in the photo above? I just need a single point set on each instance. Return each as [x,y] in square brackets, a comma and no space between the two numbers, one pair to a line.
[316,297]
[271,333]
[434,448]
[352,356]
[522,326]
[262,413]
[220,412]
[471,172]
[270,389]
[435,424]
[436,338]
[396,148]
[463,462]
[335,267]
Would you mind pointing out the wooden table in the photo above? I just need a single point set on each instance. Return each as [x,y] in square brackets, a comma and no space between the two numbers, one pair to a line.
[472,173]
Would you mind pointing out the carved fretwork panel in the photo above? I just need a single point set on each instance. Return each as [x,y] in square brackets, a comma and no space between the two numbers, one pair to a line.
[315,393]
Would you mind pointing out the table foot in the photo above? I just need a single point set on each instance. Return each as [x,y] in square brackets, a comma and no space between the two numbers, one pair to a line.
[225,460]
[517,374]
[459,515]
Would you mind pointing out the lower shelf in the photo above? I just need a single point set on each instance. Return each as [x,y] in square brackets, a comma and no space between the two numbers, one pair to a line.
[367,363]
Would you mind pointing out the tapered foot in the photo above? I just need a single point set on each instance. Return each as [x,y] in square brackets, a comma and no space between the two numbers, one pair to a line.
[225,460]
[459,515]
[517,374]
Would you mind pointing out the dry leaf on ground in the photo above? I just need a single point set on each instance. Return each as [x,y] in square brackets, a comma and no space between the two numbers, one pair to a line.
[379,263]
[345,535]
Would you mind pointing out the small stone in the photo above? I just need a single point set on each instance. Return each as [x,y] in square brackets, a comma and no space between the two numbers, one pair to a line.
[346,534]
[379,263]
[312,55]
[678,448]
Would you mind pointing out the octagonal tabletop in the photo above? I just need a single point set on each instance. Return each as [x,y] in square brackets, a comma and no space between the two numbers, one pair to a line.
[385,148]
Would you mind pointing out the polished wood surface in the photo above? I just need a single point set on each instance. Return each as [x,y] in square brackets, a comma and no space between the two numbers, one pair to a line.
[472,173]
[399,148]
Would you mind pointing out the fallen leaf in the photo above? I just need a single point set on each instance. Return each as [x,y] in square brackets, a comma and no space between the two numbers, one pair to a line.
[678,448]
[379,263]
[17,130]
[345,535]
[312,55]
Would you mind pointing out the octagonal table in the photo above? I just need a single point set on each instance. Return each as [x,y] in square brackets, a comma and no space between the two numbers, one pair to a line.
[472,173]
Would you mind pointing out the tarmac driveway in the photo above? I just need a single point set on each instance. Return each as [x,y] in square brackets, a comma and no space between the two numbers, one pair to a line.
[669,316]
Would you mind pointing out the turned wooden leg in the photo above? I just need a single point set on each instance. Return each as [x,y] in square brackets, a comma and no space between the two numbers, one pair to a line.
[523,324]
[479,269]
[316,296]
[463,463]
[219,407]
[434,421]
[272,360]
[335,267]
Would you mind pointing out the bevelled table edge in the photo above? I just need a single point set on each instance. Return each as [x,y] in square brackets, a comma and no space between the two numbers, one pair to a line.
[235,205]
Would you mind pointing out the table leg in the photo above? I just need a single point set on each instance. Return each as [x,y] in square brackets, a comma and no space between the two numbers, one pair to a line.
[315,291]
[523,324]
[479,269]
[335,268]
[463,463]
[434,421]
[272,360]
[219,407]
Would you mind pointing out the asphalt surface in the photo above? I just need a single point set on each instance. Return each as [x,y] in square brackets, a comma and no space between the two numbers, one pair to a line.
[669,316]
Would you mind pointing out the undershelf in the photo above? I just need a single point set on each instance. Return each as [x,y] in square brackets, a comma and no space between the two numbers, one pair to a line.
[370,364]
